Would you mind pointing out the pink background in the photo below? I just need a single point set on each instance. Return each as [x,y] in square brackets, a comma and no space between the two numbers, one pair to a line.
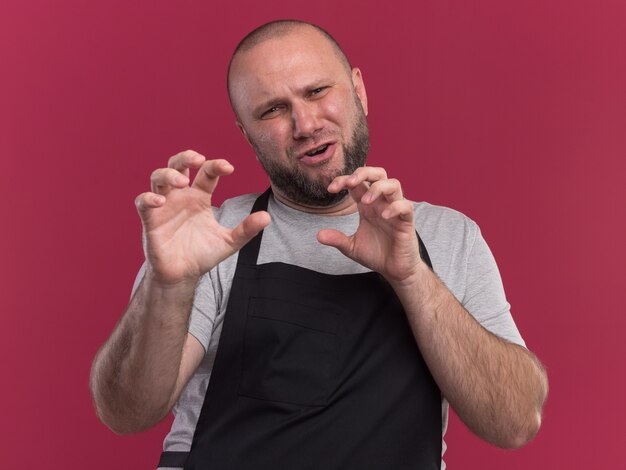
[512,112]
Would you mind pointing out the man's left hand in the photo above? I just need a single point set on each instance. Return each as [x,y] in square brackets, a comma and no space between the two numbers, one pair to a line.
[385,240]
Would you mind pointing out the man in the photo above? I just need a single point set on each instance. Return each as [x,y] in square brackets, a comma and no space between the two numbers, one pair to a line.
[286,343]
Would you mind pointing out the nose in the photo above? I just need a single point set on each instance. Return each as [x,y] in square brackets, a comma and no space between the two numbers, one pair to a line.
[305,120]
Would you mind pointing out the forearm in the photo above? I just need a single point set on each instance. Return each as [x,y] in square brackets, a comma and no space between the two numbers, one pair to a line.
[496,387]
[134,375]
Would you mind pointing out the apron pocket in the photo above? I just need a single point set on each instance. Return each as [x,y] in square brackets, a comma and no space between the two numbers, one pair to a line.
[288,352]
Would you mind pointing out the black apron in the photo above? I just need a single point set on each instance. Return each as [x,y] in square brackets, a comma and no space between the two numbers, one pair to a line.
[314,371]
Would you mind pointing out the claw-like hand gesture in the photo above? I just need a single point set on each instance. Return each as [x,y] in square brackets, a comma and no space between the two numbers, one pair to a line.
[181,238]
[385,240]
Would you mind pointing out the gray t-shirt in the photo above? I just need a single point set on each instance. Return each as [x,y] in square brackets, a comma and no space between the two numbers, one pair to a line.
[459,255]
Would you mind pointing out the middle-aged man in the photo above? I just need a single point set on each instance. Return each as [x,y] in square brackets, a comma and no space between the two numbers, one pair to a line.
[323,350]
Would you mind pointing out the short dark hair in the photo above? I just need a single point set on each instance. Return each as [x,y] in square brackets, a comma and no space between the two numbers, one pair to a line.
[279,28]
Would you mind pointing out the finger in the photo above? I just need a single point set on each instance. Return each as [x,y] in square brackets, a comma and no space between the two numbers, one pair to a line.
[248,228]
[183,161]
[338,184]
[209,173]
[390,189]
[147,201]
[336,239]
[360,175]
[402,210]
[164,179]
[359,191]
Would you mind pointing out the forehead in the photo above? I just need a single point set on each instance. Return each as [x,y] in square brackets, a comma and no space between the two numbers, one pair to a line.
[284,64]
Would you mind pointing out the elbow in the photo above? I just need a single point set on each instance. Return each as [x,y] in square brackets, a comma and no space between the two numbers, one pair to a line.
[123,422]
[512,432]
[115,419]
[529,422]
[119,411]
[119,427]
[122,429]
[531,419]
[122,418]
[118,422]
[524,434]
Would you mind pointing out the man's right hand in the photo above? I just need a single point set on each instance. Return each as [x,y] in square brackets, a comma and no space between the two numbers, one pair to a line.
[181,238]
[140,371]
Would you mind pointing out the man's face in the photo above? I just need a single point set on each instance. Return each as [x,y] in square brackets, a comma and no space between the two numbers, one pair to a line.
[303,113]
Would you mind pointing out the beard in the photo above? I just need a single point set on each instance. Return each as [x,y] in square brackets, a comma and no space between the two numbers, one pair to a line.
[298,187]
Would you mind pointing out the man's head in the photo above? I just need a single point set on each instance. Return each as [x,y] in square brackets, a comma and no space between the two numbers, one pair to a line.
[277,29]
[301,107]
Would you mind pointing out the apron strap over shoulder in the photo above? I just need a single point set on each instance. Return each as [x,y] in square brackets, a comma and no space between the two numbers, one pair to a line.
[424,252]
[250,252]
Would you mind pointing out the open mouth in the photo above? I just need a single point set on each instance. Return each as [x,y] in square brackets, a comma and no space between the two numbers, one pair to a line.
[317,151]
[319,155]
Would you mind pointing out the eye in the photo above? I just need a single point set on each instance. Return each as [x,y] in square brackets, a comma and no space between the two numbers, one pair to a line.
[270,111]
[317,91]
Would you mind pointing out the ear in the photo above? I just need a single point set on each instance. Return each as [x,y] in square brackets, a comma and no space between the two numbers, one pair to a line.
[359,87]
[245,135]
[243,131]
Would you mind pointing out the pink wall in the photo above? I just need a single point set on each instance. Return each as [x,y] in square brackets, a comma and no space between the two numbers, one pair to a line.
[513,112]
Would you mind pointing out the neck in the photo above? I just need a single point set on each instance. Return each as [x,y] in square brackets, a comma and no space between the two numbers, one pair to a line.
[344,207]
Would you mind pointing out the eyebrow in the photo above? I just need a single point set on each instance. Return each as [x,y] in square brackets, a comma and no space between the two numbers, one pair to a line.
[321,82]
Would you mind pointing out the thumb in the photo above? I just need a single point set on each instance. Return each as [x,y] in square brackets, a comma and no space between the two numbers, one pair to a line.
[335,238]
[248,228]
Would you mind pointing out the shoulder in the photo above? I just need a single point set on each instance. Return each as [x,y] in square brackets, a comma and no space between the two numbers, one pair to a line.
[443,223]
[449,237]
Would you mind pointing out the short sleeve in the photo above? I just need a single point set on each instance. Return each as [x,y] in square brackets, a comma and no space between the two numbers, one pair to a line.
[484,295]
[205,307]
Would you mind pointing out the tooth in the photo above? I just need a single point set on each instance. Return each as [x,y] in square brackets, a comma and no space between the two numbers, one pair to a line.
[317,150]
